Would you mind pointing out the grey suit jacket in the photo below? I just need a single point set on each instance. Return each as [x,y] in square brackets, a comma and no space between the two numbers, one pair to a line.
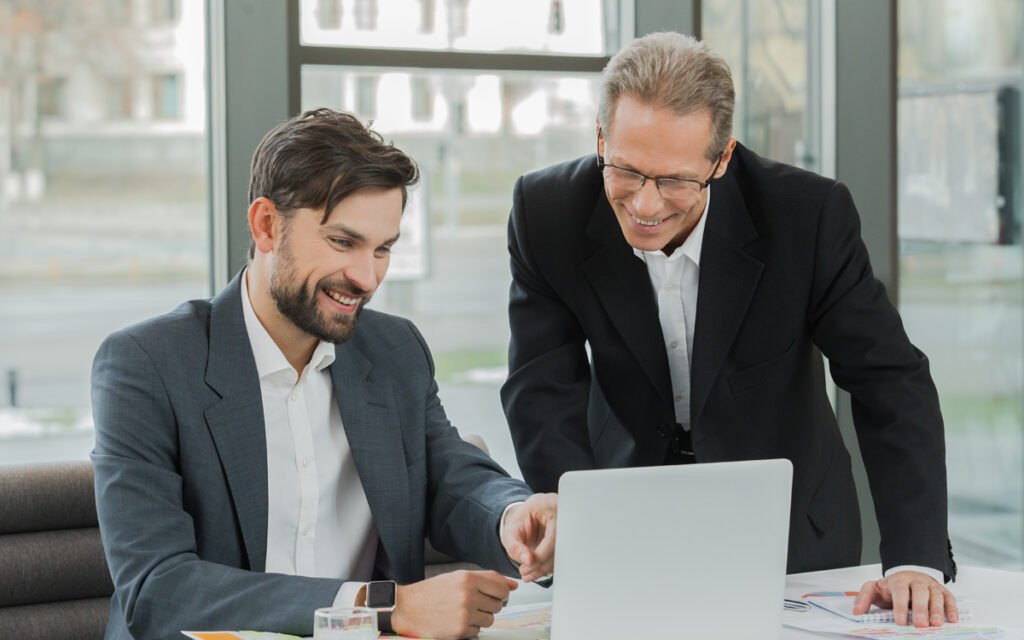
[181,471]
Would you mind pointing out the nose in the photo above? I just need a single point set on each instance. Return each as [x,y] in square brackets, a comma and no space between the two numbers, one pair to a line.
[647,200]
[362,272]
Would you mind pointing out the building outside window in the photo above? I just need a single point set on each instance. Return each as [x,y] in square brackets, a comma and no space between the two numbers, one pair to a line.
[103,217]
[961,265]
[961,259]
[472,132]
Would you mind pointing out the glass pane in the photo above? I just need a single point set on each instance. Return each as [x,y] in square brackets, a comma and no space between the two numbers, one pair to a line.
[472,135]
[536,26]
[767,46]
[103,206]
[961,263]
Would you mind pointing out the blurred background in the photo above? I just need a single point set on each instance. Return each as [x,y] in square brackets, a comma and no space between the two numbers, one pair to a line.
[112,166]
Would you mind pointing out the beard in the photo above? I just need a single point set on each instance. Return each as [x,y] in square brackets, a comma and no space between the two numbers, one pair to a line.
[299,304]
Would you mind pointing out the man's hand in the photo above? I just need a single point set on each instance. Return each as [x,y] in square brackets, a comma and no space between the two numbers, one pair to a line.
[451,605]
[931,602]
[529,535]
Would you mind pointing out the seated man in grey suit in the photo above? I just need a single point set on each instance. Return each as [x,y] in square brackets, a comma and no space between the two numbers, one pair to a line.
[258,456]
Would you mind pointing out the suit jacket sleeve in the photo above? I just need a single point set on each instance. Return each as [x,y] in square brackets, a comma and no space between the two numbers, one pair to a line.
[467,490]
[160,582]
[894,401]
[548,387]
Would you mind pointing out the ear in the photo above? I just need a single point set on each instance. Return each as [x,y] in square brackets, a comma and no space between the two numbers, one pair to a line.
[600,139]
[726,157]
[263,217]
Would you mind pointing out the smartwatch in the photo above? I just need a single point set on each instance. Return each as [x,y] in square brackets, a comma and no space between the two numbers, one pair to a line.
[380,595]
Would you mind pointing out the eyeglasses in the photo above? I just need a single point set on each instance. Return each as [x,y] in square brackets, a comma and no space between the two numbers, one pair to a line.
[627,181]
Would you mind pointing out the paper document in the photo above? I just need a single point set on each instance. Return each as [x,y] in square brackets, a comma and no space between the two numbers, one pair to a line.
[842,605]
[237,635]
[818,621]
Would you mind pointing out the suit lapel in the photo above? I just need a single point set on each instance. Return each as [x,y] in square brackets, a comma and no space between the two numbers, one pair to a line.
[236,421]
[728,277]
[624,289]
[374,434]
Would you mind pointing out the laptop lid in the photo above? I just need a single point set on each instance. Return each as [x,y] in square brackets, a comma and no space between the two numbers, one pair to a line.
[648,551]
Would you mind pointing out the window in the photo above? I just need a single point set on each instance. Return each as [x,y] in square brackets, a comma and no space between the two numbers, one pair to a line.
[458,18]
[961,260]
[769,48]
[166,96]
[164,11]
[427,9]
[422,99]
[52,98]
[366,97]
[536,26]
[328,14]
[103,219]
[366,15]
[472,132]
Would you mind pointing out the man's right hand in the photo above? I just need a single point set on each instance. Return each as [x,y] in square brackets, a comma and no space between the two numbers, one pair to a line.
[451,605]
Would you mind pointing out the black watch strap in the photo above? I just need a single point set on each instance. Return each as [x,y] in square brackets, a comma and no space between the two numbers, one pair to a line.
[384,622]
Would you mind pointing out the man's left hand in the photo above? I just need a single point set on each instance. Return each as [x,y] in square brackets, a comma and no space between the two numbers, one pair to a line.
[932,603]
[529,535]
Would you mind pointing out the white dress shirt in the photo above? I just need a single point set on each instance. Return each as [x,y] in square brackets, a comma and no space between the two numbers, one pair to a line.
[318,520]
[675,281]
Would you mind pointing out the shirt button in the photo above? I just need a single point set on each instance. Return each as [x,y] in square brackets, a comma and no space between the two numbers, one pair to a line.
[292,397]
[678,398]
[305,531]
[305,462]
[674,344]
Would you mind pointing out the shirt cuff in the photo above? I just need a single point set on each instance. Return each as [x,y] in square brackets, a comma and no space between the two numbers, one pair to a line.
[935,574]
[501,530]
[501,525]
[347,594]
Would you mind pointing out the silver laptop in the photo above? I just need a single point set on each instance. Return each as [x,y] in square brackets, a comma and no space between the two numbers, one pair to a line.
[695,551]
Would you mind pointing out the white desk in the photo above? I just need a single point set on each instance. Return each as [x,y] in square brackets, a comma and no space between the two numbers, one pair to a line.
[996,597]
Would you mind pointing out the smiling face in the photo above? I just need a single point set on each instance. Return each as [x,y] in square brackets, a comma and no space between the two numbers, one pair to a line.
[320,273]
[657,142]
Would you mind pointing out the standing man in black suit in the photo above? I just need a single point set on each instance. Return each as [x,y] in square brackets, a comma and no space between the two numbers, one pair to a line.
[706,320]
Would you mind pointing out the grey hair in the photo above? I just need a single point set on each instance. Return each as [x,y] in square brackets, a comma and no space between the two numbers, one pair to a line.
[674,71]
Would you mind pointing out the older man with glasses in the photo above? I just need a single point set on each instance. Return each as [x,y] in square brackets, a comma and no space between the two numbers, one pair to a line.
[655,324]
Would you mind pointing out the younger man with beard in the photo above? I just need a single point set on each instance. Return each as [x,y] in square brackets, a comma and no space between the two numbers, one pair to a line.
[258,456]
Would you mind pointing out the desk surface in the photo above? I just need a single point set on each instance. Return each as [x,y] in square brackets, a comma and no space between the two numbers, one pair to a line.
[996,597]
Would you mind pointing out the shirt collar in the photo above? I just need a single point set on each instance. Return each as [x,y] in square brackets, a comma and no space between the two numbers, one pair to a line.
[269,359]
[693,244]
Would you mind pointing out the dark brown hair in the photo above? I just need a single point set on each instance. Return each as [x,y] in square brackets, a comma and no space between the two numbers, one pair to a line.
[317,159]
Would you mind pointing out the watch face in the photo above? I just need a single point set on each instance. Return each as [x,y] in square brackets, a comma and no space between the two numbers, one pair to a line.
[380,594]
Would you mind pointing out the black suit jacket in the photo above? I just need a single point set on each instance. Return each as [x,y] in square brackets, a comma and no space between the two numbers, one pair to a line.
[784,277]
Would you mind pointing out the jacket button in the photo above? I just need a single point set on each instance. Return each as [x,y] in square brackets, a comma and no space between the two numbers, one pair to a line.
[664,430]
